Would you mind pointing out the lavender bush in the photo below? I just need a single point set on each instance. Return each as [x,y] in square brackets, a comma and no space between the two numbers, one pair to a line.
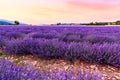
[70,38]
[22,46]
[42,35]
[49,49]
[3,42]
[99,39]
[14,35]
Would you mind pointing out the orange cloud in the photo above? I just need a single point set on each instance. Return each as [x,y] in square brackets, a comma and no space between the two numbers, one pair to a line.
[96,6]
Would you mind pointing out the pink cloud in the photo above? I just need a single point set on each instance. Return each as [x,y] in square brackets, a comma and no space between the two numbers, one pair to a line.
[94,5]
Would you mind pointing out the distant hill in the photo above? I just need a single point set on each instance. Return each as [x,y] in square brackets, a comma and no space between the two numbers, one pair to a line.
[9,22]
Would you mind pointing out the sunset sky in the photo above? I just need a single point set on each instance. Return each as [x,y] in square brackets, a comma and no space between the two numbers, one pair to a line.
[53,11]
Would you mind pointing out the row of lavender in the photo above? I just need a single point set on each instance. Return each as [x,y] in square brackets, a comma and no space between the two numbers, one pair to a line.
[91,44]
[94,53]
[8,71]
[66,34]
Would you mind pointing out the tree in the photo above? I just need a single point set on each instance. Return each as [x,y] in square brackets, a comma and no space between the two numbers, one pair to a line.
[117,22]
[91,23]
[58,24]
[16,22]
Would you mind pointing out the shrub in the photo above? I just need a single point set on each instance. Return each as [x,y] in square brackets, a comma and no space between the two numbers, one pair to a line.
[73,51]
[49,49]
[70,38]
[22,46]
[3,42]
[99,39]
[102,53]
[42,35]
[14,35]
[110,54]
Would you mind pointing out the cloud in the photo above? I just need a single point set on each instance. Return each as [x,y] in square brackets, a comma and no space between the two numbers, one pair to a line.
[92,4]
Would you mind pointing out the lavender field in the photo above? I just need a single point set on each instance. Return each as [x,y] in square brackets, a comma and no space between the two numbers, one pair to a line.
[98,45]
